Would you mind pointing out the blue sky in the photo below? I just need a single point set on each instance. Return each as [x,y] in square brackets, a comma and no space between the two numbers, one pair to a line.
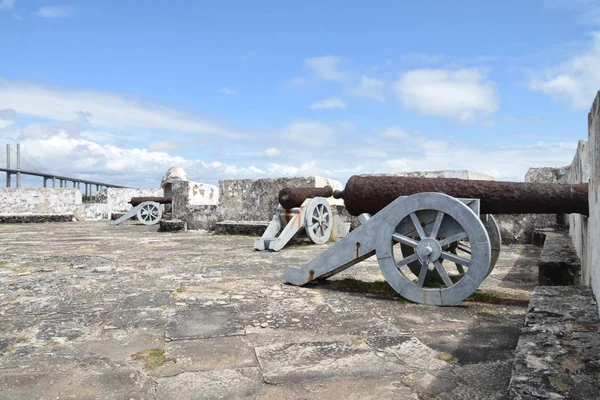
[119,91]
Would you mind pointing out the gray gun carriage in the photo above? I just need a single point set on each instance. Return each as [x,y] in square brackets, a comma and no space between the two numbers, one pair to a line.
[299,209]
[149,210]
[435,238]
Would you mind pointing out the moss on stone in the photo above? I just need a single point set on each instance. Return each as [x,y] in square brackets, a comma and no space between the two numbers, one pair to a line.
[153,358]
[445,357]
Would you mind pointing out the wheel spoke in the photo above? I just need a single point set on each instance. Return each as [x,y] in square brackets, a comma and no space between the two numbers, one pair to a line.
[465,248]
[453,238]
[422,274]
[436,224]
[404,239]
[443,274]
[407,260]
[417,224]
[455,259]
[315,218]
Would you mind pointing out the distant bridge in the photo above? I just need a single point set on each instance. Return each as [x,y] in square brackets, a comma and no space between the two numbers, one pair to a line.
[33,168]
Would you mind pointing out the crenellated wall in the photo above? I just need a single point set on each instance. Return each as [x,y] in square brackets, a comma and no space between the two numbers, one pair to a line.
[592,259]
[257,199]
[39,200]
[585,230]
[195,203]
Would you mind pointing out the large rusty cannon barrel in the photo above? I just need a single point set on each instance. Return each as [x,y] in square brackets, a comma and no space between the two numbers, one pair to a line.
[294,197]
[371,193]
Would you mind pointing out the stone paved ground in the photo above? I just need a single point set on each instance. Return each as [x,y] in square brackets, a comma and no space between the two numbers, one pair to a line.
[92,311]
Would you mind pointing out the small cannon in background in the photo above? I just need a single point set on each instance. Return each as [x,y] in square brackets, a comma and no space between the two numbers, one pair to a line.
[149,210]
[434,238]
[305,207]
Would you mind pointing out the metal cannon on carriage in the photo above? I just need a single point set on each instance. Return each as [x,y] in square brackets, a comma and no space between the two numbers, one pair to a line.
[435,238]
[149,210]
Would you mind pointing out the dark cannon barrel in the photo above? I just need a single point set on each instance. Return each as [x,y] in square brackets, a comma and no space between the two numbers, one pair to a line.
[136,201]
[294,197]
[371,193]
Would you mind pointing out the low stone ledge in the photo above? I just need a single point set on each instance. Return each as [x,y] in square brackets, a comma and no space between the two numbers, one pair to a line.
[35,218]
[253,228]
[115,215]
[172,225]
[558,263]
[558,353]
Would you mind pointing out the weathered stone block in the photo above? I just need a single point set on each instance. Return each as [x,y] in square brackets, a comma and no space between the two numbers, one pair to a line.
[558,264]
[35,218]
[39,200]
[257,199]
[579,172]
[251,228]
[196,204]
[172,225]
[558,353]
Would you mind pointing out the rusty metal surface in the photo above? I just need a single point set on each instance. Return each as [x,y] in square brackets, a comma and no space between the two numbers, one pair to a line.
[294,197]
[371,193]
[135,201]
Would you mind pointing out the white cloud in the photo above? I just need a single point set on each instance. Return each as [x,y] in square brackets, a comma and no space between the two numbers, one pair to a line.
[162,146]
[304,169]
[7,117]
[575,81]
[398,165]
[6,4]
[463,94]
[311,134]
[60,11]
[70,156]
[332,102]
[226,90]
[326,67]
[394,132]
[369,88]
[272,152]
[104,109]
[62,149]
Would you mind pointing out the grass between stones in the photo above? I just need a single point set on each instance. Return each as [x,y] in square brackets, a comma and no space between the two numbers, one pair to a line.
[445,357]
[485,297]
[381,288]
[153,358]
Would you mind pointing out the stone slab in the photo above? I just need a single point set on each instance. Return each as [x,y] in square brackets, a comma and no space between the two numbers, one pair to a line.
[559,263]
[85,384]
[82,298]
[293,362]
[208,354]
[410,351]
[558,353]
[242,383]
[203,323]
